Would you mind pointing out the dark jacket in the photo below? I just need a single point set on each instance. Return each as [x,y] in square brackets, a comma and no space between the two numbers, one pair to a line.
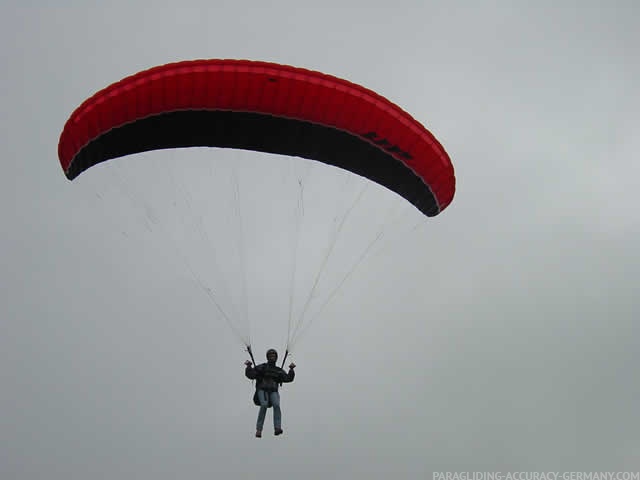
[269,377]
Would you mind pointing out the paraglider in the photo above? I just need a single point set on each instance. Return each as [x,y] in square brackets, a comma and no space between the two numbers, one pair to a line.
[268,377]
[262,107]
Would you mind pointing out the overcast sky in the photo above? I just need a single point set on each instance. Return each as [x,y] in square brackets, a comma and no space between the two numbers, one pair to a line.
[501,335]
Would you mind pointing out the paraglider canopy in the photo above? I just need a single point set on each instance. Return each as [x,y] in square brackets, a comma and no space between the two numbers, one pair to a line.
[264,107]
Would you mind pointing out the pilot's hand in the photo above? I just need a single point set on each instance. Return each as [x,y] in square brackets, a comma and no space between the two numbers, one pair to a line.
[292,366]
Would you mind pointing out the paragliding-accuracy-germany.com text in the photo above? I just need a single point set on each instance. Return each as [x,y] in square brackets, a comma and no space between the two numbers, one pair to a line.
[536,476]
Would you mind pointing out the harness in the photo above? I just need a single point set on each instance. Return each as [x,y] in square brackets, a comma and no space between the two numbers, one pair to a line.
[265,372]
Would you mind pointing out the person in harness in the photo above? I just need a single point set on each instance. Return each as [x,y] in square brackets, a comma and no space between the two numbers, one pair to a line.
[268,377]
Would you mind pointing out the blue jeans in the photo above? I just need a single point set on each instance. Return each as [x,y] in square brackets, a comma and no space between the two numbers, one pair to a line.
[264,398]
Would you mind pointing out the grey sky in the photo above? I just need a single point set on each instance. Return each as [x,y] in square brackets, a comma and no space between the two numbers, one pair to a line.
[501,335]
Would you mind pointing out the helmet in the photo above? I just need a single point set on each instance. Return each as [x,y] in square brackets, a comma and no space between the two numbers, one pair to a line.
[272,351]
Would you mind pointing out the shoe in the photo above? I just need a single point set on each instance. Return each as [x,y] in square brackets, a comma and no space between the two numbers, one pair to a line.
[278,431]
[258,433]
